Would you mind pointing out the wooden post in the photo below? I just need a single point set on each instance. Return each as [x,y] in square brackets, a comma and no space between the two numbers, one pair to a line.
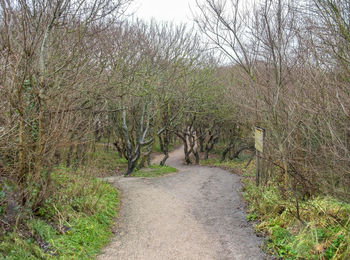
[257,174]
[259,147]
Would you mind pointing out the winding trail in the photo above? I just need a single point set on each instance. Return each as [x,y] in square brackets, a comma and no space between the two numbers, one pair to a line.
[196,213]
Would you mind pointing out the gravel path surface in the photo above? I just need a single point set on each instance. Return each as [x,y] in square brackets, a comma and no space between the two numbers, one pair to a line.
[196,213]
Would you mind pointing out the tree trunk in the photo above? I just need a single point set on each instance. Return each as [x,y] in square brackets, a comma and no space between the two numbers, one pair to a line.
[187,152]
[131,168]
[133,148]
[146,157]
[166,156]
[227,150]
[201,139]
[183,137]
[241,149]
[196,155]
[164,145]
[210,145]
[119,149]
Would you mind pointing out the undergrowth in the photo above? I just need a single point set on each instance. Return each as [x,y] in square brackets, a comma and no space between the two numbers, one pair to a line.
[320,231]
[154,171]
[156,146]
[74,223]
[105,161]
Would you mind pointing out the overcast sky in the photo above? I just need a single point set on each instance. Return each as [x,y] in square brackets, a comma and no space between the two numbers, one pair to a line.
[177,11]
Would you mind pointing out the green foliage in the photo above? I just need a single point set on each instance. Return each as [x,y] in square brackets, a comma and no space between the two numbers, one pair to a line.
[15,247]
[74,223]
[154,171]
[218,148]
[236,165]
[281,240]
[252,216]
[156,147]
[104,161]
[82,240]
[318,234]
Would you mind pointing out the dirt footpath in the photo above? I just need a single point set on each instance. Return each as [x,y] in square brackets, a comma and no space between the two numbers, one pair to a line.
[196,213]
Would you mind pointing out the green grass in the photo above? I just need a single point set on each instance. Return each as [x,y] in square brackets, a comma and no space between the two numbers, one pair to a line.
[218,148]
[236,165]
[322,233]
[104,162]
[156,147]
[154,171]
[74,223]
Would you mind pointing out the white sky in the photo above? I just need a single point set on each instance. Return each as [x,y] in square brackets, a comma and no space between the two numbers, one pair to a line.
[177,11]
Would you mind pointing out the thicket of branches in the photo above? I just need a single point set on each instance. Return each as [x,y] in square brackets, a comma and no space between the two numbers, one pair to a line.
[72,72]
[290,76]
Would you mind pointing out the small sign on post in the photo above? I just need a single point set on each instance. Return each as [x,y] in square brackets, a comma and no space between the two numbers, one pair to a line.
[259,147]
[259,139]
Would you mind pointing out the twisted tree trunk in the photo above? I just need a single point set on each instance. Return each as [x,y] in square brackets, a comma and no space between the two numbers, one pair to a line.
[133,149]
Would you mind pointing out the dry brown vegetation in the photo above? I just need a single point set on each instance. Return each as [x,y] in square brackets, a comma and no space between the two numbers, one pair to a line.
[291,78]
[75,73]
